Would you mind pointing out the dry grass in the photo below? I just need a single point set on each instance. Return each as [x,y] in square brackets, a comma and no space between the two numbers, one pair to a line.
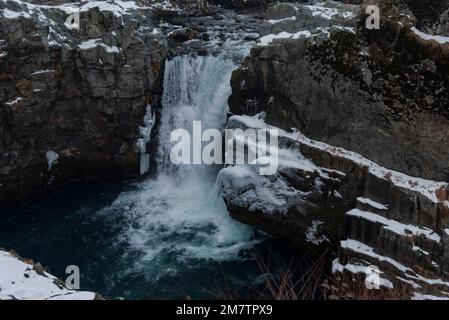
[306,279]
[295,279]
[350,287]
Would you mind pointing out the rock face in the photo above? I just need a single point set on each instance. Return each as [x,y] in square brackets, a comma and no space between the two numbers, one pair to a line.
[72,100]
[326,197]
[240,4]
[382,94]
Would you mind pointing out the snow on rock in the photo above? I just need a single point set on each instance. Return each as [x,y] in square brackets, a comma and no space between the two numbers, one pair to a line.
[94,43]
[429,37]
[51,15]
[420,296]
[270,38]
[22,280]
[359,247]
[320,10]
[52,158]
[427,188]
[372,203]
[313,235]
[365,250]
[273,21]
[13,102]
[165,5]
[355,269]
[117,7]
[295,21]
[395,226]
[245,188]
[89,44]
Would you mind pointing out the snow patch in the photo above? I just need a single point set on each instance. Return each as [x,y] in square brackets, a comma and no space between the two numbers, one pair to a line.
[395,226]
[372,203]
[420,296]
[429,37]
[271,21]
[52,158]
[324,12]
[270,38]
[18,280]
[13,102]
[357,269]
[427,188]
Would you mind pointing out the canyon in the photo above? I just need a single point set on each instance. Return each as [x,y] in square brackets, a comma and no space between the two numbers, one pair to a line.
[362,117]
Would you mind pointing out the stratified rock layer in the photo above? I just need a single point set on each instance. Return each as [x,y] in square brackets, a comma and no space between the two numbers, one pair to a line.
[326,197]
[72,100]
[382,94]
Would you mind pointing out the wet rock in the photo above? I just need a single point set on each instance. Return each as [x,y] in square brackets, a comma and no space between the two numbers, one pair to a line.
[380,94]
[205,37]
[39,269]
[184,34]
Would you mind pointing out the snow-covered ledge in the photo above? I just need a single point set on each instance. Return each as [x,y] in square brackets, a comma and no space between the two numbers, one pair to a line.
[21,280]
[326,197]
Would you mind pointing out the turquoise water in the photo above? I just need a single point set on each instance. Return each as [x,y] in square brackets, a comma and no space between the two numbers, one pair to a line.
[73,228]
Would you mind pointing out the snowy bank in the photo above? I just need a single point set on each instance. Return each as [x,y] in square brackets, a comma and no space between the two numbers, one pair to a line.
[24,280]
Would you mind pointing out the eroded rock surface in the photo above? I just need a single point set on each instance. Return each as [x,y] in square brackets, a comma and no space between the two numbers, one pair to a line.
[382,94]
[72,100]
[324,197]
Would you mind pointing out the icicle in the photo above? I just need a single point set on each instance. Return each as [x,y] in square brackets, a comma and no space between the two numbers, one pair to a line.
[145,132]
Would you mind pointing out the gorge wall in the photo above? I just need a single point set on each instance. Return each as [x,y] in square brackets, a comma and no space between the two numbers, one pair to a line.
[380,93]
[73,106]
[72,100]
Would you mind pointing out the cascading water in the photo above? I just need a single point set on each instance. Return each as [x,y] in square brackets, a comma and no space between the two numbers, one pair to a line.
[177,218]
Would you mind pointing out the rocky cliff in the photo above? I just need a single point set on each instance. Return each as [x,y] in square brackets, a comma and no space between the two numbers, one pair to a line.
[381,93]
[72,100]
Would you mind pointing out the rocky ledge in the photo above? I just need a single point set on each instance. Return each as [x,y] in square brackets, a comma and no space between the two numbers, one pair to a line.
[73,100]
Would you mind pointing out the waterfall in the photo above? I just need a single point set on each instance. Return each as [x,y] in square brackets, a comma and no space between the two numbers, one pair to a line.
[195,89]
[177,218]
